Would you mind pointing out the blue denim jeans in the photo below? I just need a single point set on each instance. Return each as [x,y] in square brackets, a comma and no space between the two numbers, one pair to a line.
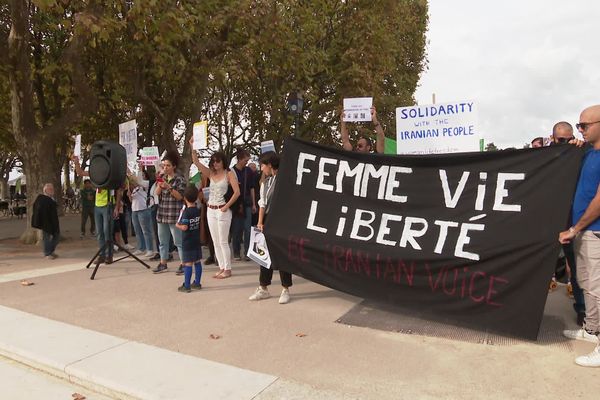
[165,231]
[144,229]
[240,226]
[103,228]
[50,241]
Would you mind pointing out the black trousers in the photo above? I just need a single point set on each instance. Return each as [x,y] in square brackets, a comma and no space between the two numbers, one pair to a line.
[87,212]
[266,274]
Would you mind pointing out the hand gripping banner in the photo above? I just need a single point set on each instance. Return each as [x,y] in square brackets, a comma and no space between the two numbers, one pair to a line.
[467,239]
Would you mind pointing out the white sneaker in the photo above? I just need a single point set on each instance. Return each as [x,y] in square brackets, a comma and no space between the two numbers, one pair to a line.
[149,253]
[115,248]
[285,296]
[129,247]
[590,360]
[260,294]
[581,334]
[138,252]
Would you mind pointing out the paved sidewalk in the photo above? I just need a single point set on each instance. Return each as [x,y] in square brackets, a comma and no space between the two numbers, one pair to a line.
[20,382]
[119,367]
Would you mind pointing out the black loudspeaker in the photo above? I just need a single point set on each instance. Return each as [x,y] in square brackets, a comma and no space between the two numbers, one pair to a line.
[108,165]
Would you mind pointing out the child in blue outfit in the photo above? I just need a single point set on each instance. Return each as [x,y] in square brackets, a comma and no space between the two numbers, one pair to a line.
[189,223]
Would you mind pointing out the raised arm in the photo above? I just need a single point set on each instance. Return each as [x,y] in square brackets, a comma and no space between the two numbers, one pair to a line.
[344,130]
[380,143]
[78,169]
[204,170]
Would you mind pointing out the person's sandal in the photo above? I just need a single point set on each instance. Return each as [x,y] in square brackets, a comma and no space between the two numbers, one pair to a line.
[218,274]
[224,275]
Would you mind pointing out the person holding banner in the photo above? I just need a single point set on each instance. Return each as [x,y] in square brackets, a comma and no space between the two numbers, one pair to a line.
[364,144]
[585,235]
[170,187]
[269,165]
[223,183]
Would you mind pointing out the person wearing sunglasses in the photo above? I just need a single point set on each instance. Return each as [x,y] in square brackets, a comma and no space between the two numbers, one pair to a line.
[562,133]
[364,143]
[585,234]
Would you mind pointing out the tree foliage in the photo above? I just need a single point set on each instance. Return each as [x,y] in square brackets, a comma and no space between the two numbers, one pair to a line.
[85,66]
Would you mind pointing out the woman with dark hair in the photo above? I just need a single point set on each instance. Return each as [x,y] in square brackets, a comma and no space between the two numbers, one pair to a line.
[269,165]
[242,212]
[219,213]
[169,188]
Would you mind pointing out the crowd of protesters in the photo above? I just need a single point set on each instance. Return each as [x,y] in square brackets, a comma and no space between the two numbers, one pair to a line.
[167,214]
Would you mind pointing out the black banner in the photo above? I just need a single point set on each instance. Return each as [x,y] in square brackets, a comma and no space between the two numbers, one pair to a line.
[469,239]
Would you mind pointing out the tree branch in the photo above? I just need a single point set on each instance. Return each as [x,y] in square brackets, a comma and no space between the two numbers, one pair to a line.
[87,101]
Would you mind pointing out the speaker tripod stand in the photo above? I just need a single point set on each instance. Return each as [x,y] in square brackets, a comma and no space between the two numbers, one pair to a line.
[108,249]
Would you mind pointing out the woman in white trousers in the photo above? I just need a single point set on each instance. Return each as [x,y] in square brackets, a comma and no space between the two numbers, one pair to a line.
[219,213]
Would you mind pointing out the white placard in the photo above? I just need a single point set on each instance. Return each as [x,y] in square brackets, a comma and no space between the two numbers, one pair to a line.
[77,149]
[267,145]
[258,251]
[128,139]
[149,156]
[437,128]
[358,109]
[200,132]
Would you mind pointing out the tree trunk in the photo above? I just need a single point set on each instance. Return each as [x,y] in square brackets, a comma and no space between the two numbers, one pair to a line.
[4,193]
[66,173]
[36,166]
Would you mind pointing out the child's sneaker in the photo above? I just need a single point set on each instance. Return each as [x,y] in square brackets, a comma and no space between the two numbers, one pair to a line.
[196,286]
[179,270]
[182,288]
[159,268]
[260,294]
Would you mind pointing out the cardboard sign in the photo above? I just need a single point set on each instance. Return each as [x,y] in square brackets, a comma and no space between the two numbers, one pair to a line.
[149,156]
[437,128]
[200,132]
[128,139]
[266,146]
[358,109]
[77,150]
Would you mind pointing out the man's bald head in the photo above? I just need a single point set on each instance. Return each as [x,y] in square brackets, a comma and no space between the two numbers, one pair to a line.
[590,114]
[589,124]
[562,132]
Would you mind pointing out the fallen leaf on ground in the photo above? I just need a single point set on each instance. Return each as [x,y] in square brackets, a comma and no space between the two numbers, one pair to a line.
[27,283]
[77,396]
[300,334]
[212,336]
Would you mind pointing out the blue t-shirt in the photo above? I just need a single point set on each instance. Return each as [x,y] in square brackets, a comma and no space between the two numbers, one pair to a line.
[587,187]
[190,216]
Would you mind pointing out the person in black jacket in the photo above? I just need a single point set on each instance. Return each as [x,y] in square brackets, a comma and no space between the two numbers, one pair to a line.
[45,217]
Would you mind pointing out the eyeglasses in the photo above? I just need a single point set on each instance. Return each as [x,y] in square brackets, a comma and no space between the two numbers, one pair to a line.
[584,125]
[563,140]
